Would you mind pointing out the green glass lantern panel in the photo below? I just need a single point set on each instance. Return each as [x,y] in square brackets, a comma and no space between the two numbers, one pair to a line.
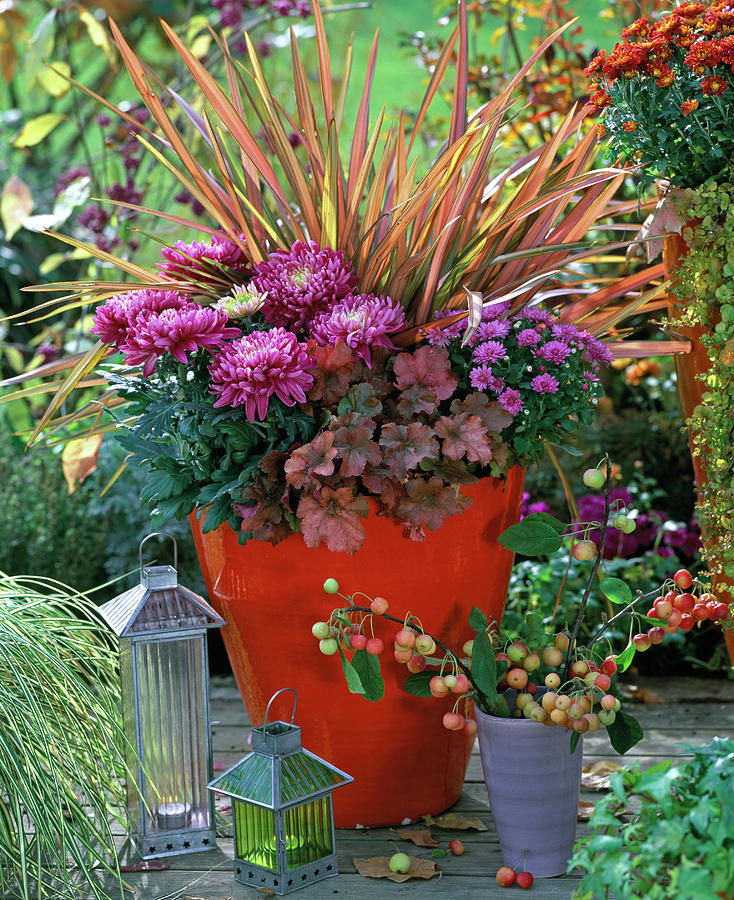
[255,830]
[308,832]
[303,775]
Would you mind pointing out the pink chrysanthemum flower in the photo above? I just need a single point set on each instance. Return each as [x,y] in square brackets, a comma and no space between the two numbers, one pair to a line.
[480,377]
[440,337]
[494,328]
[489,352]
[596,351]
[361,321]
[113,319]
[554,351]
[249,371]
[534,314]
[199,259]
[528,337]
[302,282]
[174,331]
[544,384]
[511,401]
[565,332]
[496,384]
[495,309]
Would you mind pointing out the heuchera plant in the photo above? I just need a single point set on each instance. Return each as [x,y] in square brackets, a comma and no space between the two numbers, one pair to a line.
[552,679]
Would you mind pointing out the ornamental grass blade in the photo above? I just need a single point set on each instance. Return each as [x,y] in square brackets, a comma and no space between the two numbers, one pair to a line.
[325,82]
[357,156]
[330,202]
[461,81]
[439,70]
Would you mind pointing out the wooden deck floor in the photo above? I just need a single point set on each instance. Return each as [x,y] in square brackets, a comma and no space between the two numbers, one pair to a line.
[695,711]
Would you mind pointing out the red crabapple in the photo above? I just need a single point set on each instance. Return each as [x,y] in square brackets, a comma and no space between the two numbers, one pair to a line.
[416,663]
[517,678]
[461,686]
[641,642]
[525,879]
[379,606]
[584,550]
[456,847]
[374,646]
[683,579]
[609,666]
[687,622]
[505,876]
[358,641]
[656,634]
[685,602]
[437,686]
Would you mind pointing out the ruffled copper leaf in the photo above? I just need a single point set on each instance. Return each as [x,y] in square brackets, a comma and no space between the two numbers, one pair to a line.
[332,369]
[500,453]
[464,435]
[421,837]
[493,417]
[356,450]
[264,518]
[375,374]
[405,446]
[429,501]
[414,401]
[272,464]
[333,517]
[449,470]
[379,867]
[360,398]
[312,459]
[427,368]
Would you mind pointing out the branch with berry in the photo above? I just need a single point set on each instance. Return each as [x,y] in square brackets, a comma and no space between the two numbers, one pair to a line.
[548,678]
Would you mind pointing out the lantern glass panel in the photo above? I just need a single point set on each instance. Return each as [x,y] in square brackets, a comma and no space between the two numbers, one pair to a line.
[172,733]
[255,830]
[308,832]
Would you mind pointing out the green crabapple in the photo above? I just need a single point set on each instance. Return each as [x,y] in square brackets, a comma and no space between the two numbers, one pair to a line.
[328,646]
[331,585]
[320,630]
[399,862]
[593,478]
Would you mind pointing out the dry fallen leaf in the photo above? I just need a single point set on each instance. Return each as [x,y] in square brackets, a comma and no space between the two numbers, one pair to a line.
[421,837]
[147,865]
[645,695]
[596,774]
[267,892]
[379,867]
[455,821]
[585,810]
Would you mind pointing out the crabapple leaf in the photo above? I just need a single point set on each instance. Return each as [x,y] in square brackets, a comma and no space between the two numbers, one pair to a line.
[575,735]
[421,837]
[405,446]
[478,620]
[333,518]
[624,732]
[429,501]
[464,435]
[314,458]
[534,536]
[367,667]
[483,668]
[616,590]
[331,373]
[418,684]
[354,682]
[379,867]
[356,449]
[428,368]
[625,658]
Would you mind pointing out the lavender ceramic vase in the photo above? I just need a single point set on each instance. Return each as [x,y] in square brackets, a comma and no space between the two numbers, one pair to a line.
[533,782]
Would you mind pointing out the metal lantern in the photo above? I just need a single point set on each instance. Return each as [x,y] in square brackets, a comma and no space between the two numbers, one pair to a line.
[165,704]
[281,809]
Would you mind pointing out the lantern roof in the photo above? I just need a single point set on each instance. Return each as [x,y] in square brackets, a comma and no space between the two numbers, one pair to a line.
[279,773]
[149,609]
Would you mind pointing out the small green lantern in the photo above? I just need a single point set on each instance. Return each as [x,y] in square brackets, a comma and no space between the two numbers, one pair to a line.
[281,809]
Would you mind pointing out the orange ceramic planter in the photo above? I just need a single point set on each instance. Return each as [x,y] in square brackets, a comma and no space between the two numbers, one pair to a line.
[404,762]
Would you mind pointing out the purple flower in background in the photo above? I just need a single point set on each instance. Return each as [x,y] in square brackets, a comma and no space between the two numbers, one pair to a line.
[303,282]
[175,331]
[249,371]
[489,352]
[113,319]
[538,506]
[480,377]
[494,328]
[534,314]
[544,384]
[510,400]
[528,337]
[66,178]
[361,321]
[598,352]
[554,351]
[565,332]
[440,337]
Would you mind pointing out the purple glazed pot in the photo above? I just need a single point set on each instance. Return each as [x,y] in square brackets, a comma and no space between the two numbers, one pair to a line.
[533,782]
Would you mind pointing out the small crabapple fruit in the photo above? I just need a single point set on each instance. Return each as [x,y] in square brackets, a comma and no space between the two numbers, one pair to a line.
[425,645]
[531,662]
[593,478]
[399,862]
[456,847]
[683,579]
[403,654]
[609,666]
[687,622]
[563,702]
[517,651]
[320,630]
[328,646]
[552,656]
[437,686]
[593,720]
[641,642]
[505,876]
[538,714]
[662,608]
[468,648]
[379,606]
[656,634]
[525,879]
[405,638]
[522,700]
[580,668]
[331,585]
[562,640]
[517,678]
[416,663]
[461,686]
[722,610]
[584,550]
[453,721]
[685,602]
[470,727]
[552,680]
[451,681]
[374,646]
[580,725]
[607,717]
[558,716]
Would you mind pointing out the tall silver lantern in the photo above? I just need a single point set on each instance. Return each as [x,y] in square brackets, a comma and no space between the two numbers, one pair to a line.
[281,809]
[164,670]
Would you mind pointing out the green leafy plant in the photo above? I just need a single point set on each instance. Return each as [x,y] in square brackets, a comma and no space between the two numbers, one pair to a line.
[61,754]
[665,833]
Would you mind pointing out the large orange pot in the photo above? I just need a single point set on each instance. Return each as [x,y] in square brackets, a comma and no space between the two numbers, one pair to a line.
[688,367]
[404,762]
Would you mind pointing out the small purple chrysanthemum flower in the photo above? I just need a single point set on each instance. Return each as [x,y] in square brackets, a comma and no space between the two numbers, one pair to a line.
[113,319]
[511,401]
[249,371]
[361,321]
[565,332]
[302,282]
[591,376]
[494,328]
[496,384]
[534,314]
[174,331]
[479,377]
[544,384]
[495,310]
[199,258]
[597,352]
[554,351]
[440,337]
[528,337]
[489,352]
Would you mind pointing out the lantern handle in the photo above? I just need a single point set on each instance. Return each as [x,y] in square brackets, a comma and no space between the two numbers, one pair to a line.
[282,691]
[159,534]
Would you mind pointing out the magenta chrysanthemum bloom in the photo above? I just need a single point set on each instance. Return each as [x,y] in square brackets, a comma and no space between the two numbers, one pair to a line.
[528,337]
[302,282]
[249,371]
[511,401]
[565,332]
[495,309]
[544,384]
[597,352]
[174,331]
[534,314]
[197,259]
[113,319]
[479,377]
[494,328]
[554,351]
[496,384]
[489,352]
[361,321]
[440,337]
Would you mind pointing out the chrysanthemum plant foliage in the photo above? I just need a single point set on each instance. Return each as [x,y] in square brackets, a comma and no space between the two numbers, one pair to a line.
[61,753]
[261,376]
